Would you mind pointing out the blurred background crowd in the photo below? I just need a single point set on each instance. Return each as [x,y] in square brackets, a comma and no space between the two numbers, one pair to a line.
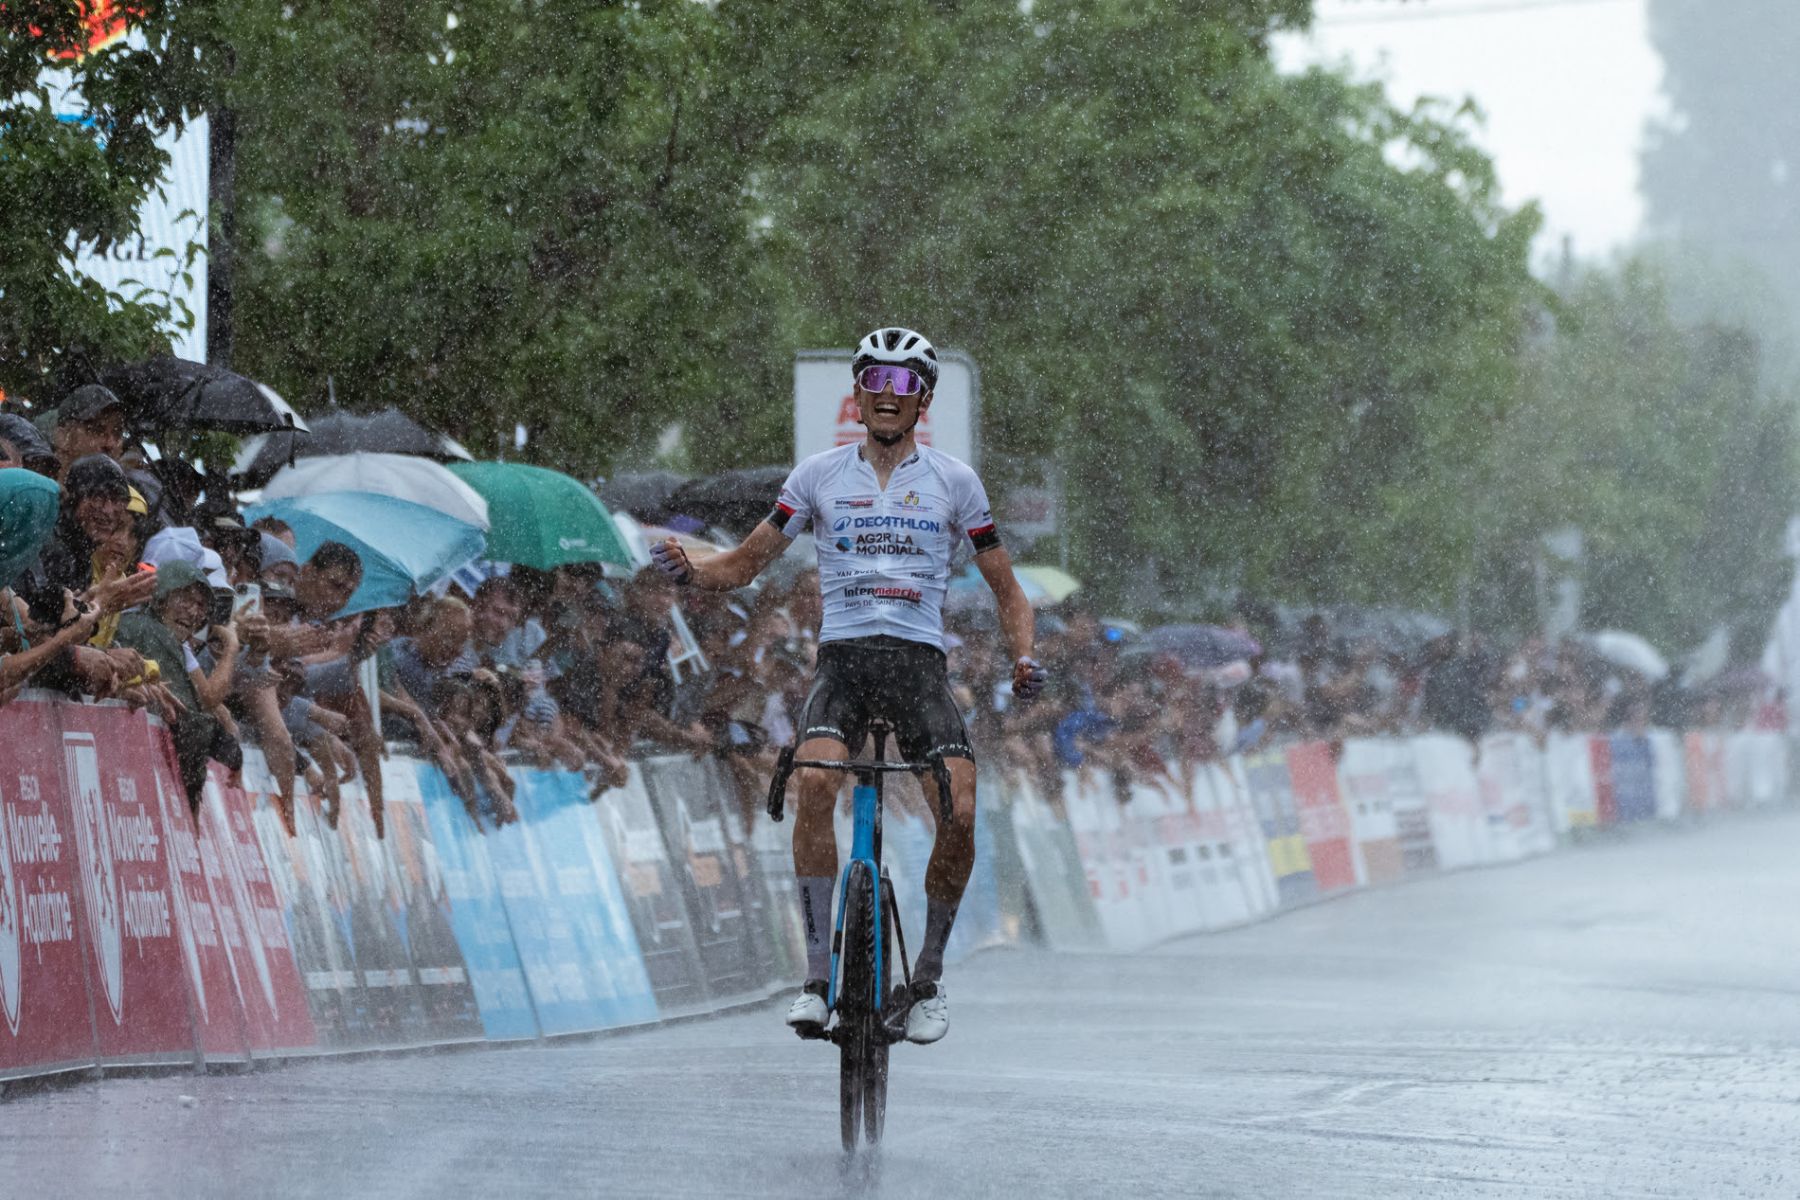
[341,592]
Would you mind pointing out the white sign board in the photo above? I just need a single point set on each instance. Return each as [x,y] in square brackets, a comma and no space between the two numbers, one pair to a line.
[173,215]
[825,406]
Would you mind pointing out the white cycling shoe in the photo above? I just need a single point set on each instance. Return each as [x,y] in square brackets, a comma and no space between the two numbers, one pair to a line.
[929,1017]
[809,1011]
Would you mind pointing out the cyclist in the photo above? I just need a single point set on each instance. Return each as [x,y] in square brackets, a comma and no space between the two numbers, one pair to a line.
[886,514]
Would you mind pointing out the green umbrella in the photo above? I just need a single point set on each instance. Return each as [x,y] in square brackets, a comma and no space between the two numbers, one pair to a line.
[542,518]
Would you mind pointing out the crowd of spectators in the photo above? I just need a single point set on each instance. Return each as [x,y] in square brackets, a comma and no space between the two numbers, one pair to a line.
[135,578]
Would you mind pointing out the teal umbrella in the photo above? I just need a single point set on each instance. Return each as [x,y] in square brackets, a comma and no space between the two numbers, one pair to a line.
[28,507]
[541,518]
[404,547]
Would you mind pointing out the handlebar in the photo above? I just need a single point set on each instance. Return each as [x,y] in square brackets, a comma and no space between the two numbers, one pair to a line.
[786,763]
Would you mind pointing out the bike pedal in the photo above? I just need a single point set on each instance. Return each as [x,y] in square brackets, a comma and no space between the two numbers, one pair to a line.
[812,1033]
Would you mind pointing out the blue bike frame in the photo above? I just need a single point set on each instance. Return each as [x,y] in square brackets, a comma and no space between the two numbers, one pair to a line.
[865,847]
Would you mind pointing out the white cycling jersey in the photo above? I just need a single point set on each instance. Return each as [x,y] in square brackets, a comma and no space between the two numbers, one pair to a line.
[884,554]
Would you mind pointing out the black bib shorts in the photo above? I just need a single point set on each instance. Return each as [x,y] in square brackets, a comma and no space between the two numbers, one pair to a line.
[901,682]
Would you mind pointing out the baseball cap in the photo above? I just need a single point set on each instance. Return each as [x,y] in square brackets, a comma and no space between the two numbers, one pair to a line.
[178,573]
[87,402]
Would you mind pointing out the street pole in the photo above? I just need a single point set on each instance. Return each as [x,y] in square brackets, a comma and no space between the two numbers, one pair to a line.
[221,230]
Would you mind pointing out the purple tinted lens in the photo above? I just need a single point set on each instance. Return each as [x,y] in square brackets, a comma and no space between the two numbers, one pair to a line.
[905,380]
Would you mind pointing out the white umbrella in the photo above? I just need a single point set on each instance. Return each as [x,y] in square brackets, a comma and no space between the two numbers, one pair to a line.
[1630,651]
[402,476]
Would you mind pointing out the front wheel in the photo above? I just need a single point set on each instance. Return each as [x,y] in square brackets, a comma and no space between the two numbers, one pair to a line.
[857,1017]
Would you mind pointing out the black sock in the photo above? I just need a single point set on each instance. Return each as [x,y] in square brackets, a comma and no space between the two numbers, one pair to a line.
[938,919]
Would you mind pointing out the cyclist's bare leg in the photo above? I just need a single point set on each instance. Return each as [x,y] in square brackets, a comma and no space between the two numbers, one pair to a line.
[952,859]
[815,849]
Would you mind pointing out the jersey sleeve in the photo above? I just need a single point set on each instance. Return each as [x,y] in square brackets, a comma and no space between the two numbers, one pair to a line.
[973,514]
[793,510]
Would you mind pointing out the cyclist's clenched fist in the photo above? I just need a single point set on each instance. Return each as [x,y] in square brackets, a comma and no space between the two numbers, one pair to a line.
[1029,677]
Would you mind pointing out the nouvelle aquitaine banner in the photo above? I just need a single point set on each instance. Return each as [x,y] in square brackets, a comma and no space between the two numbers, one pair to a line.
[265,972]
[48,1021]
[207,926]
[135,961]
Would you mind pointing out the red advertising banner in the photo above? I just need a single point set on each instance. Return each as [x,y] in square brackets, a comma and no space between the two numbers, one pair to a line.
[1324,822]
[206,929]
[1705,754]
[1606,804]
[138,980]
[46,1021]
[264,970]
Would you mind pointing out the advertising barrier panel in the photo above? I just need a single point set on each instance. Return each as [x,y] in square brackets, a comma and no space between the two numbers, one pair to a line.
[1055,880]
[1364,774]
[46,1021]
[653,894]
[139,981]
[1271,789]
[575,874]
[1324,824]
[1632,770]
[477,913]
[1446,767]
[687,808]
[422,910]
[268,979]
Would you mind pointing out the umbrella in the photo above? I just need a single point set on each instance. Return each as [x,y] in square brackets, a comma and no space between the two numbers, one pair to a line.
[1058,582]
[404,547]
[734,500]
[389,431]
[29,504]
[644,495]
[402,476]
[174,393]
[969,590]
[1628,650]
[543,518]
[1198,647]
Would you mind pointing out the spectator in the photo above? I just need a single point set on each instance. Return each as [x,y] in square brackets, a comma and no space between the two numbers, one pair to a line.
[91,420]
[1456,689]
[93,550]
[181,607]
[21,445]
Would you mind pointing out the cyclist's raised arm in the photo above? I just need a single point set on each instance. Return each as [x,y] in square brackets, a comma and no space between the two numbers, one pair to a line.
[734,568]
[1016,619]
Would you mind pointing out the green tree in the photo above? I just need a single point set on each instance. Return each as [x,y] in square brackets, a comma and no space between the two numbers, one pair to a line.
[1264,320]
[1666,445]
[66,188]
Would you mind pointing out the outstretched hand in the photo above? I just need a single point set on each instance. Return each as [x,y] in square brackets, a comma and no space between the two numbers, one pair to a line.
[1029,677]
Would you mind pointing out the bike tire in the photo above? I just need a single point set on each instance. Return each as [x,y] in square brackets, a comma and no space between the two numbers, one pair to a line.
[856,1015]
[875,1076]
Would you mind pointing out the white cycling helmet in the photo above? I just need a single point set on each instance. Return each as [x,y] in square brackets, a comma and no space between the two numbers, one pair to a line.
[897,347]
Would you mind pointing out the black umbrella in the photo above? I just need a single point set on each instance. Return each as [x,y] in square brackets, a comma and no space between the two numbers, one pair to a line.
[1198,647]
[166,393]
[389,431]
[643,494]
[735,500]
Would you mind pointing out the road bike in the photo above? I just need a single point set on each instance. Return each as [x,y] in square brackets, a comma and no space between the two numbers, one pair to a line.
[870,1010]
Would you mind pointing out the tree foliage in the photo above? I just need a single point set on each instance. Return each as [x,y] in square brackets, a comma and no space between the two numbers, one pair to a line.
[1279,335]
[68,187]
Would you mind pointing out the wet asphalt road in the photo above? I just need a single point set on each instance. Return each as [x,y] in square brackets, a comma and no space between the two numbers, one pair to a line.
[1616,1020]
